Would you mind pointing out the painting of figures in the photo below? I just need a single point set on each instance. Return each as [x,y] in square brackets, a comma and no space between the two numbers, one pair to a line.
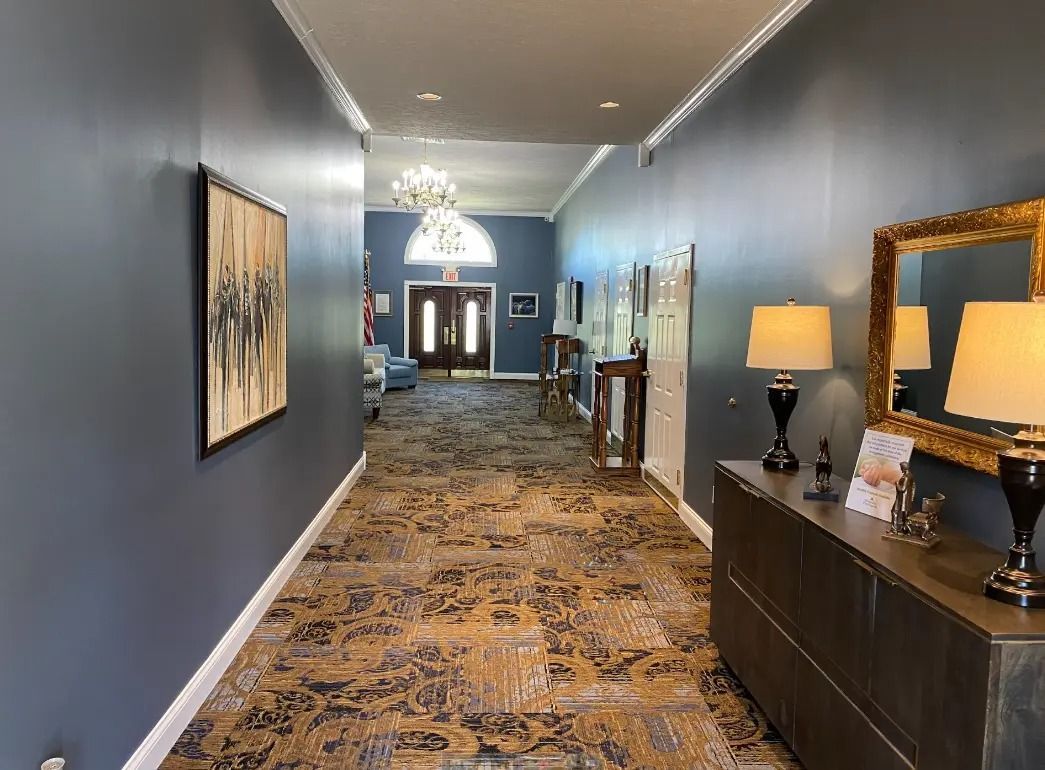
[243,318]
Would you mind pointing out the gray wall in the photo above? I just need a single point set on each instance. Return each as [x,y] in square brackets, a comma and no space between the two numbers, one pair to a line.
[856,115]
[525,248]
[123,559]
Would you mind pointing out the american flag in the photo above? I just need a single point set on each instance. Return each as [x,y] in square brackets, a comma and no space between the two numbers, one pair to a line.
[368,302]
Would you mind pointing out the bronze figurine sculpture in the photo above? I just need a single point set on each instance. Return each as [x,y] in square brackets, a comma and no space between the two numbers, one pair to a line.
[820,488]
[908,525]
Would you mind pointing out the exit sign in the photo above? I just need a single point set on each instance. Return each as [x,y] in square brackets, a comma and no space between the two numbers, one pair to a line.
[450,276]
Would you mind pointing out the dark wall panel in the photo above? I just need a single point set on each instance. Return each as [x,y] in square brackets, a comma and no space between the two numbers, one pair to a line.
[123,558]
[525,248]
[856,115]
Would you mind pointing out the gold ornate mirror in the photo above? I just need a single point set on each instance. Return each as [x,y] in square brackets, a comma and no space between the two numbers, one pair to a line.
[923,274]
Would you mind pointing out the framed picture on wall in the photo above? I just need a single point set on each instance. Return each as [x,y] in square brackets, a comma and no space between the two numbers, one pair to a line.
[382,303]
[642,291]
[560,300]
[242,310]
[575,300]
[523,304]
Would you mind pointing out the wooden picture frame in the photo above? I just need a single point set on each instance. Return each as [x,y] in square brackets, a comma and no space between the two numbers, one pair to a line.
[383,303]
[576,295]
[560,301]
[242,364]
[642,291]
[524,304]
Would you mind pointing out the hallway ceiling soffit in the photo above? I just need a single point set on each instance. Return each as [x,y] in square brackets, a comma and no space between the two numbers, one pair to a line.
[566,42]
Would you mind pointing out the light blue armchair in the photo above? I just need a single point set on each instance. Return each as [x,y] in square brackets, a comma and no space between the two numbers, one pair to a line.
[399,372]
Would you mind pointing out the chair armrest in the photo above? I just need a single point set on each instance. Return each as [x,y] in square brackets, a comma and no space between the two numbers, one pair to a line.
[377,358]
[400,361]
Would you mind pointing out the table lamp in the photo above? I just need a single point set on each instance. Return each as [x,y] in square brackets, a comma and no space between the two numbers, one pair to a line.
[786,337]
[565,327]
[910,347]
[999,374]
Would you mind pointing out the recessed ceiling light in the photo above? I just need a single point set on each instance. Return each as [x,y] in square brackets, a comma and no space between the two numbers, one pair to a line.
[428,96]
[609,105]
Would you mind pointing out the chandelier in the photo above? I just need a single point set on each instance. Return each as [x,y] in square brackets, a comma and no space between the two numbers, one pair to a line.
[438,220]
[427,187]
[448,241]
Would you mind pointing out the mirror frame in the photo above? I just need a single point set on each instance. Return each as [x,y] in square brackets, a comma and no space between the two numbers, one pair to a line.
[1008,222]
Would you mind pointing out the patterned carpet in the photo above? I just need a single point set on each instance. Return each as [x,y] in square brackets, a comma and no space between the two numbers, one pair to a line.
[483,600]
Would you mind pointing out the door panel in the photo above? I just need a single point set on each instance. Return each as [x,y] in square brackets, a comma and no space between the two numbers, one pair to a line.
[429,327]
[598,320]
[470,328]
[623,323]
[668,360]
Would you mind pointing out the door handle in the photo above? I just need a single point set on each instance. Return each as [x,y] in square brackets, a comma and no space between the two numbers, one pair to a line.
[453,333]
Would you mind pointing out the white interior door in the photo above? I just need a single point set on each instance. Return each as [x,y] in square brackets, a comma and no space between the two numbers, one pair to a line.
[668,360]
[598,320]
[623,324]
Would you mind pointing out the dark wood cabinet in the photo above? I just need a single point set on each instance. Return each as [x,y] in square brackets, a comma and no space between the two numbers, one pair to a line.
[869,654]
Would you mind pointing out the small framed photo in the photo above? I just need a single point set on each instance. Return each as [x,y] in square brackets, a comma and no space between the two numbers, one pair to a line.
[382,303]
[642,291]
[576,292]
[523,304]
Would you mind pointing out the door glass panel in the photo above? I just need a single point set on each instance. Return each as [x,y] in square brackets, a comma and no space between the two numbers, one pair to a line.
[428,326]
[471,326]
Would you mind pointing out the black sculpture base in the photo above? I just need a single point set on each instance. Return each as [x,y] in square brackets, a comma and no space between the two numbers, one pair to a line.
[812,493]
[783,395]
[1022,471]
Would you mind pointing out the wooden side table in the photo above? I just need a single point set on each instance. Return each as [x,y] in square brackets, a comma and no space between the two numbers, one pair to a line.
[632,368]
[545,377]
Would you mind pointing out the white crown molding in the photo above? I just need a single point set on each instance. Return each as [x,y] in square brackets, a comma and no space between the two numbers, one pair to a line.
[389,209]
[295,18]
[774,21]
[161,738]
[589,168]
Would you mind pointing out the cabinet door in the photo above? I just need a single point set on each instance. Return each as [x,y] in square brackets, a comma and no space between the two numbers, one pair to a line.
[763,657]
[830,733]
[929,674]
[732,507]
[837,608]
[772,558]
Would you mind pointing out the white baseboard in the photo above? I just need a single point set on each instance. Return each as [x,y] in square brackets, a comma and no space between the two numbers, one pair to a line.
[700,527]
[515,376]
[583,411]
[162,737]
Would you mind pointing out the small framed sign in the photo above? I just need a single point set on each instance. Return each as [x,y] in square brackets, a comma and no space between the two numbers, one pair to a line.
[523,304]
[382,303]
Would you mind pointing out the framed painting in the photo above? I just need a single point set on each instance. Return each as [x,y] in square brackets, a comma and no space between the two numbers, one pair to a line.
[642,291]
[576,292]
[243,310]
[523,304]
[382,303]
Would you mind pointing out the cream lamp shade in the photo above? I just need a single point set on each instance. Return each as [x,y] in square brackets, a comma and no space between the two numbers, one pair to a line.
[562,326]
[999,363]
[790,337]
[911,338]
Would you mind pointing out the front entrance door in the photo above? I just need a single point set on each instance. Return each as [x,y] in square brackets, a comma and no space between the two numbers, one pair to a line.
[449,329]
[623,324]
[668,362]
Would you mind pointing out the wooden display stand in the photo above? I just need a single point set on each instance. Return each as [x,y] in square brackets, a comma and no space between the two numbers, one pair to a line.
[567,376]
[545,384]
[633,369]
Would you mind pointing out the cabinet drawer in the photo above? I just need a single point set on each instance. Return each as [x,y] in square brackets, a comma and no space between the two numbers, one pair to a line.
[837,608]
[830,733]
[760,654]
[772,555]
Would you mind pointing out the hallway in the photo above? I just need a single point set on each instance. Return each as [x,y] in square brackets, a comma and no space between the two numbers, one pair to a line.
[483,599]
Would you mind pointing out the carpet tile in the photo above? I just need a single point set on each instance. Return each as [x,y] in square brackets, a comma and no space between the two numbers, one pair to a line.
[484,600]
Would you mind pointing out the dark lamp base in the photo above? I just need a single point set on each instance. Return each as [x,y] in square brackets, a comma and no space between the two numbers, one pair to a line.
[780,460]
[1015,587]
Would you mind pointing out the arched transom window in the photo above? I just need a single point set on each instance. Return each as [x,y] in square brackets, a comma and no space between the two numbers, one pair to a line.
[479,250]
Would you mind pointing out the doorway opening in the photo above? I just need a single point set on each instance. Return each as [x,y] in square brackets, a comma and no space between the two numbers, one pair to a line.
[449,328]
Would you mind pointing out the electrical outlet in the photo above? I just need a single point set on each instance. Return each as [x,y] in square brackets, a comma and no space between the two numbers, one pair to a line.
[55,763]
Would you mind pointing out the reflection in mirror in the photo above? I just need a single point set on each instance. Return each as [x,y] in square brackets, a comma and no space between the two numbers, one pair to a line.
[932,289]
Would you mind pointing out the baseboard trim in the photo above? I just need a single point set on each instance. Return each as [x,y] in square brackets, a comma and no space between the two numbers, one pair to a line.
[161,738]
[515,376]
[583,411]
[692,520]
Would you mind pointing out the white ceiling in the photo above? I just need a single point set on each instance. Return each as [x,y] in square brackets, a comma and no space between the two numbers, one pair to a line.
[490,176]
[526,70]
